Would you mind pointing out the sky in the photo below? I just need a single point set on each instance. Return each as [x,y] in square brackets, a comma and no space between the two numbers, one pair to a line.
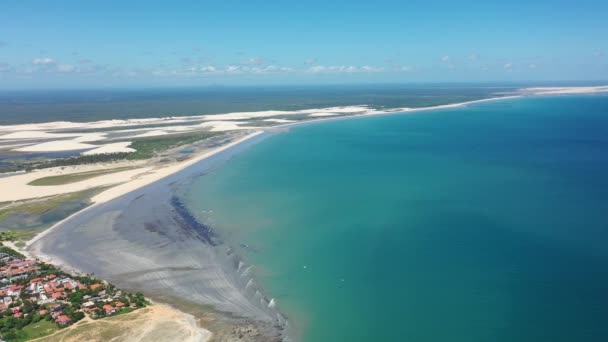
[67,44]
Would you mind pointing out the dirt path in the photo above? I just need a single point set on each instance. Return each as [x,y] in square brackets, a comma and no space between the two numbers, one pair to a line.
[155,323]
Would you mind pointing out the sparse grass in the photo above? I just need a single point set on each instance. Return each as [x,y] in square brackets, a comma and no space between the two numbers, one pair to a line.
[10,251]
[74,177]
[146,148]
[36,330]
[106,329]
[17,235]
[41,205]
[149,147]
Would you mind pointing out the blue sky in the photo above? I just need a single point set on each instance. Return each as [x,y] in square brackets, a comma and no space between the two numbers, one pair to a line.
[182,43]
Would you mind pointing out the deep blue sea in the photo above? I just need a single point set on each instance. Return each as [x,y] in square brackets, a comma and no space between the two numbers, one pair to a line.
[485,223]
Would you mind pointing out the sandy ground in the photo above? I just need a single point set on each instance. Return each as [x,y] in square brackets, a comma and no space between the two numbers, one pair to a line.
[56,146]
[61,136]
[119,147]
[565,90]
[11,245]
[16,187]
[154,323]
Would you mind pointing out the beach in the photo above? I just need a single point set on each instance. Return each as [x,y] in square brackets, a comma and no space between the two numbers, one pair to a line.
[140,236]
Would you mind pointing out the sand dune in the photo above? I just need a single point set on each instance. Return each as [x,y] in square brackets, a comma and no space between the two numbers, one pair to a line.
[119,147]
[565,90]
[55,146]
[16,187]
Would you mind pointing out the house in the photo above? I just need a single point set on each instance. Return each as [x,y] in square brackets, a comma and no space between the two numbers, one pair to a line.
[58,295]
[18,314]
[43,312]
[120,304]
[109,309]
[95,286]
[63,320]
[56,308]
[88,304]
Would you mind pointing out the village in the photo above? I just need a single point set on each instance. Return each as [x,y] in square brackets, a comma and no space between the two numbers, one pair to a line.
[32,291]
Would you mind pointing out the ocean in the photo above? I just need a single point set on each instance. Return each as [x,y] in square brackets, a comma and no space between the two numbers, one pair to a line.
[484,223]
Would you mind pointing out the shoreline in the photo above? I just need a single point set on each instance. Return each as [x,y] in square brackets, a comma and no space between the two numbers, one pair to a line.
[115,194]
[121,191]
[125,188]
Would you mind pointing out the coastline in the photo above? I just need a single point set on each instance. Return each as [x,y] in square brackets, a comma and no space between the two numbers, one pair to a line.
[150,178]
[170,175]
[133,185]
[231,265]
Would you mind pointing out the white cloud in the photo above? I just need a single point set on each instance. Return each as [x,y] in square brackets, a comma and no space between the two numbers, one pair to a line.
[532,66]
[66,68]
[407,68]
[367,68]
[43,61]
[209,68]
[343,68]
[445,58]
[508,65]
[270,69]
[473,57]
[233,69]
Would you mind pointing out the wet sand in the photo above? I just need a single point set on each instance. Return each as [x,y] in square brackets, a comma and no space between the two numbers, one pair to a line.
[145,240]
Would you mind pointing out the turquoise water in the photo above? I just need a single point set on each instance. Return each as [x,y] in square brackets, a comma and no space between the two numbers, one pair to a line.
[487,223]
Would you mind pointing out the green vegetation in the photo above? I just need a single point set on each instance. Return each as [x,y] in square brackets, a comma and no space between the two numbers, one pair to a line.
[115,328]
[43,204]
[17,235]
[151,146]
[11,252]
[35,330]
[25,317]
[146,148]
[74,177]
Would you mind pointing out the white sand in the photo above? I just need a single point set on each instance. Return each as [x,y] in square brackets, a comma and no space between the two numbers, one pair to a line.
[279,120]
[565,90]
[221,126]
[16,187]
[153,133]
[87,137]
[35,135]
[319,114]
[119,147]
[56,146]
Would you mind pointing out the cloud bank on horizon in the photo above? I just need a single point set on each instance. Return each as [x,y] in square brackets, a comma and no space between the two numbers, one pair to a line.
[73,43]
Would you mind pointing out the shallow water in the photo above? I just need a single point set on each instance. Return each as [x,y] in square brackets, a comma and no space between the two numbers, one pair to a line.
[485,223]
